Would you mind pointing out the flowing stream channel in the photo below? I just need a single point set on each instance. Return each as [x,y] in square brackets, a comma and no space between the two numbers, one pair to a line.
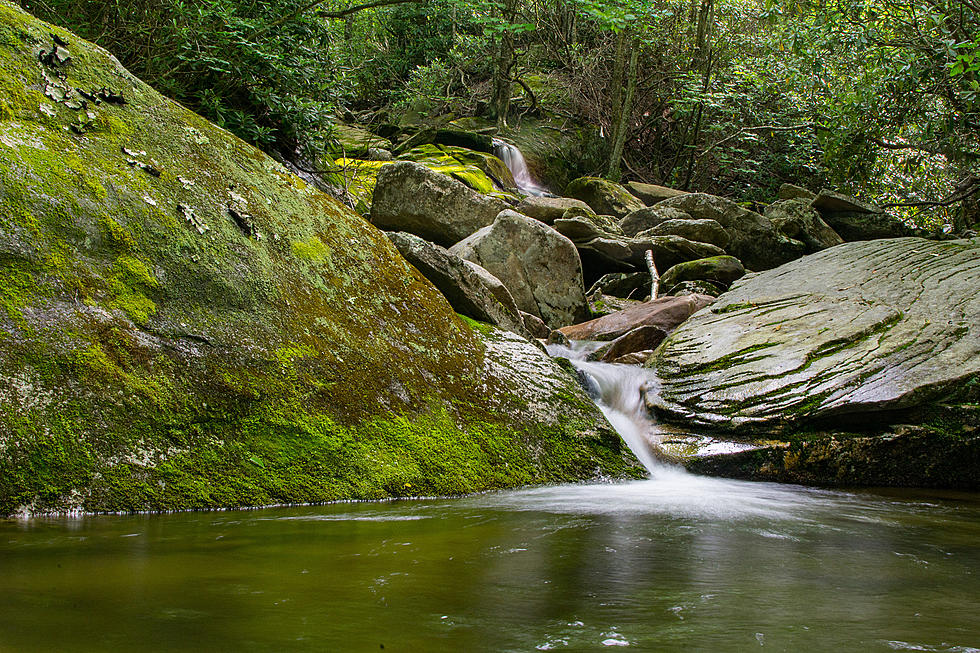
[514,160]
[673,563]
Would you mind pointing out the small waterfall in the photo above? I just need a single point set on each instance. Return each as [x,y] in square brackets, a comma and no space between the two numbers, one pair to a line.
[618,391]
[514,160]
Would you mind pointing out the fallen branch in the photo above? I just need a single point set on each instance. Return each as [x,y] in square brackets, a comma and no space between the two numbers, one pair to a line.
[654,275]
[343,13]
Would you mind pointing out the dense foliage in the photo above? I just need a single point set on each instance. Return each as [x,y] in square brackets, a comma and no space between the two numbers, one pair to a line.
[879,98]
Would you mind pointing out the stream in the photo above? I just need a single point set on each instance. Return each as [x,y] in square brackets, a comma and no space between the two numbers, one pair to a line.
[673,563]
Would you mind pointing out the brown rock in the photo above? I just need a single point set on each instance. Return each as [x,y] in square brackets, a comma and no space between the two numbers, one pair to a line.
[650,194]
[666,313]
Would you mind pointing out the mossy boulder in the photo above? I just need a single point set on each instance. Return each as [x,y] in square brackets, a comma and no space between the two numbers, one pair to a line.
[796,219]
[701,231]
[482,172]
[353,142]
[184,324]
[603,196]
[721,269]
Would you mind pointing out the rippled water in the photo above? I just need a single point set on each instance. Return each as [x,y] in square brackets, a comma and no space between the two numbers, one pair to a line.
[675,563]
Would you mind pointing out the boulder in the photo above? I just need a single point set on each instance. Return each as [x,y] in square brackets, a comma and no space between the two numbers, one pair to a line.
[605,304]
[644,338]
[535,326]
[650,194]
[452,137]
[754,239]
[579,226]
[603,196]
[862,332]
[699,287]
[866,226]
[827,201]
[665,313]
[410,197]
[724,270]
[186,325]
[650,217]
[628,285]
[791,192]
[470,289]
[482,172]
[549,209]
[352,142]
[701,231]
[796,219]
[668,251]
[539,266]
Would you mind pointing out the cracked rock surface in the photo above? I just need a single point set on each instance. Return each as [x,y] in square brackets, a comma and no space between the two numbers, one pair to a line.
[861,328]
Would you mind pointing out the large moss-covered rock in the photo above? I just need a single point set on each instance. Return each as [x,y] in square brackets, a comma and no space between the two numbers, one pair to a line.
[183,324]
[603,196]
[754,239]
[721,269]
[482,172]
[863,332]
[410,197]
[353,142]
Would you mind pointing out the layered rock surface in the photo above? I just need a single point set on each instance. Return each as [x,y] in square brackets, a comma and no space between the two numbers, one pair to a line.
[184,324]
[864,329]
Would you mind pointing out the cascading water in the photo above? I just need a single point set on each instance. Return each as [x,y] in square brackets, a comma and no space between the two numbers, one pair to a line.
[514,160]
[618,391]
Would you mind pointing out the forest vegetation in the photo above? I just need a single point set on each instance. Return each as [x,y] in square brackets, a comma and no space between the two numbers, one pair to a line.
[877,98]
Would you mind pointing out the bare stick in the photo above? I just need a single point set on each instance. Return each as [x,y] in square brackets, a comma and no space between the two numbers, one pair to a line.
[654,275]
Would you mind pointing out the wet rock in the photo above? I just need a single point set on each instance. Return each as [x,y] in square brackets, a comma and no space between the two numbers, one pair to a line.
[410,197]
[603,196]
[796,219]
[539,266]
[470,289]
[754,239]
[859,332]
[665,313]
[701,231]
[643,338]
[650,194]
[549,209]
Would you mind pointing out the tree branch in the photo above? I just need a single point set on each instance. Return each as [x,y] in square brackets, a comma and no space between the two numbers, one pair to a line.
[968,187]
[328,14]
[760,128]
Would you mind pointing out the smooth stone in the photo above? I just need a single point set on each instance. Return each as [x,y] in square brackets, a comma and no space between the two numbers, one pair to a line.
[666,313]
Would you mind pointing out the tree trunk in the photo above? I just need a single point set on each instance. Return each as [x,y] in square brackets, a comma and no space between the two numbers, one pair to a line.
[616,157]
[500,105]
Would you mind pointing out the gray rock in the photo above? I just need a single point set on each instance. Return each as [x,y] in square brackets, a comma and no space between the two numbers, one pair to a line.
[798,220]
[650,194]
[857,331]
[628,285]
[410,197]
[827,201]
[603,196]
[668,251]
[699,287]
[701,231]
[754,239]
[539,266]
[642,338]
[536,327]
[666,313]
[379,154]
[470,289]
[791,192]
[649,217]
[579,228]
[549,209]
[866,226]
[723,270]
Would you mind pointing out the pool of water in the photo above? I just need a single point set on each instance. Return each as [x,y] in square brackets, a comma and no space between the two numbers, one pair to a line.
[678,562]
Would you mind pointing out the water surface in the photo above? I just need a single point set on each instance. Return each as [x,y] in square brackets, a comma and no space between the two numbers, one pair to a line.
[676,563]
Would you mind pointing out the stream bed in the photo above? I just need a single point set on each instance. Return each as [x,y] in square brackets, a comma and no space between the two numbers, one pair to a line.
[674,563]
